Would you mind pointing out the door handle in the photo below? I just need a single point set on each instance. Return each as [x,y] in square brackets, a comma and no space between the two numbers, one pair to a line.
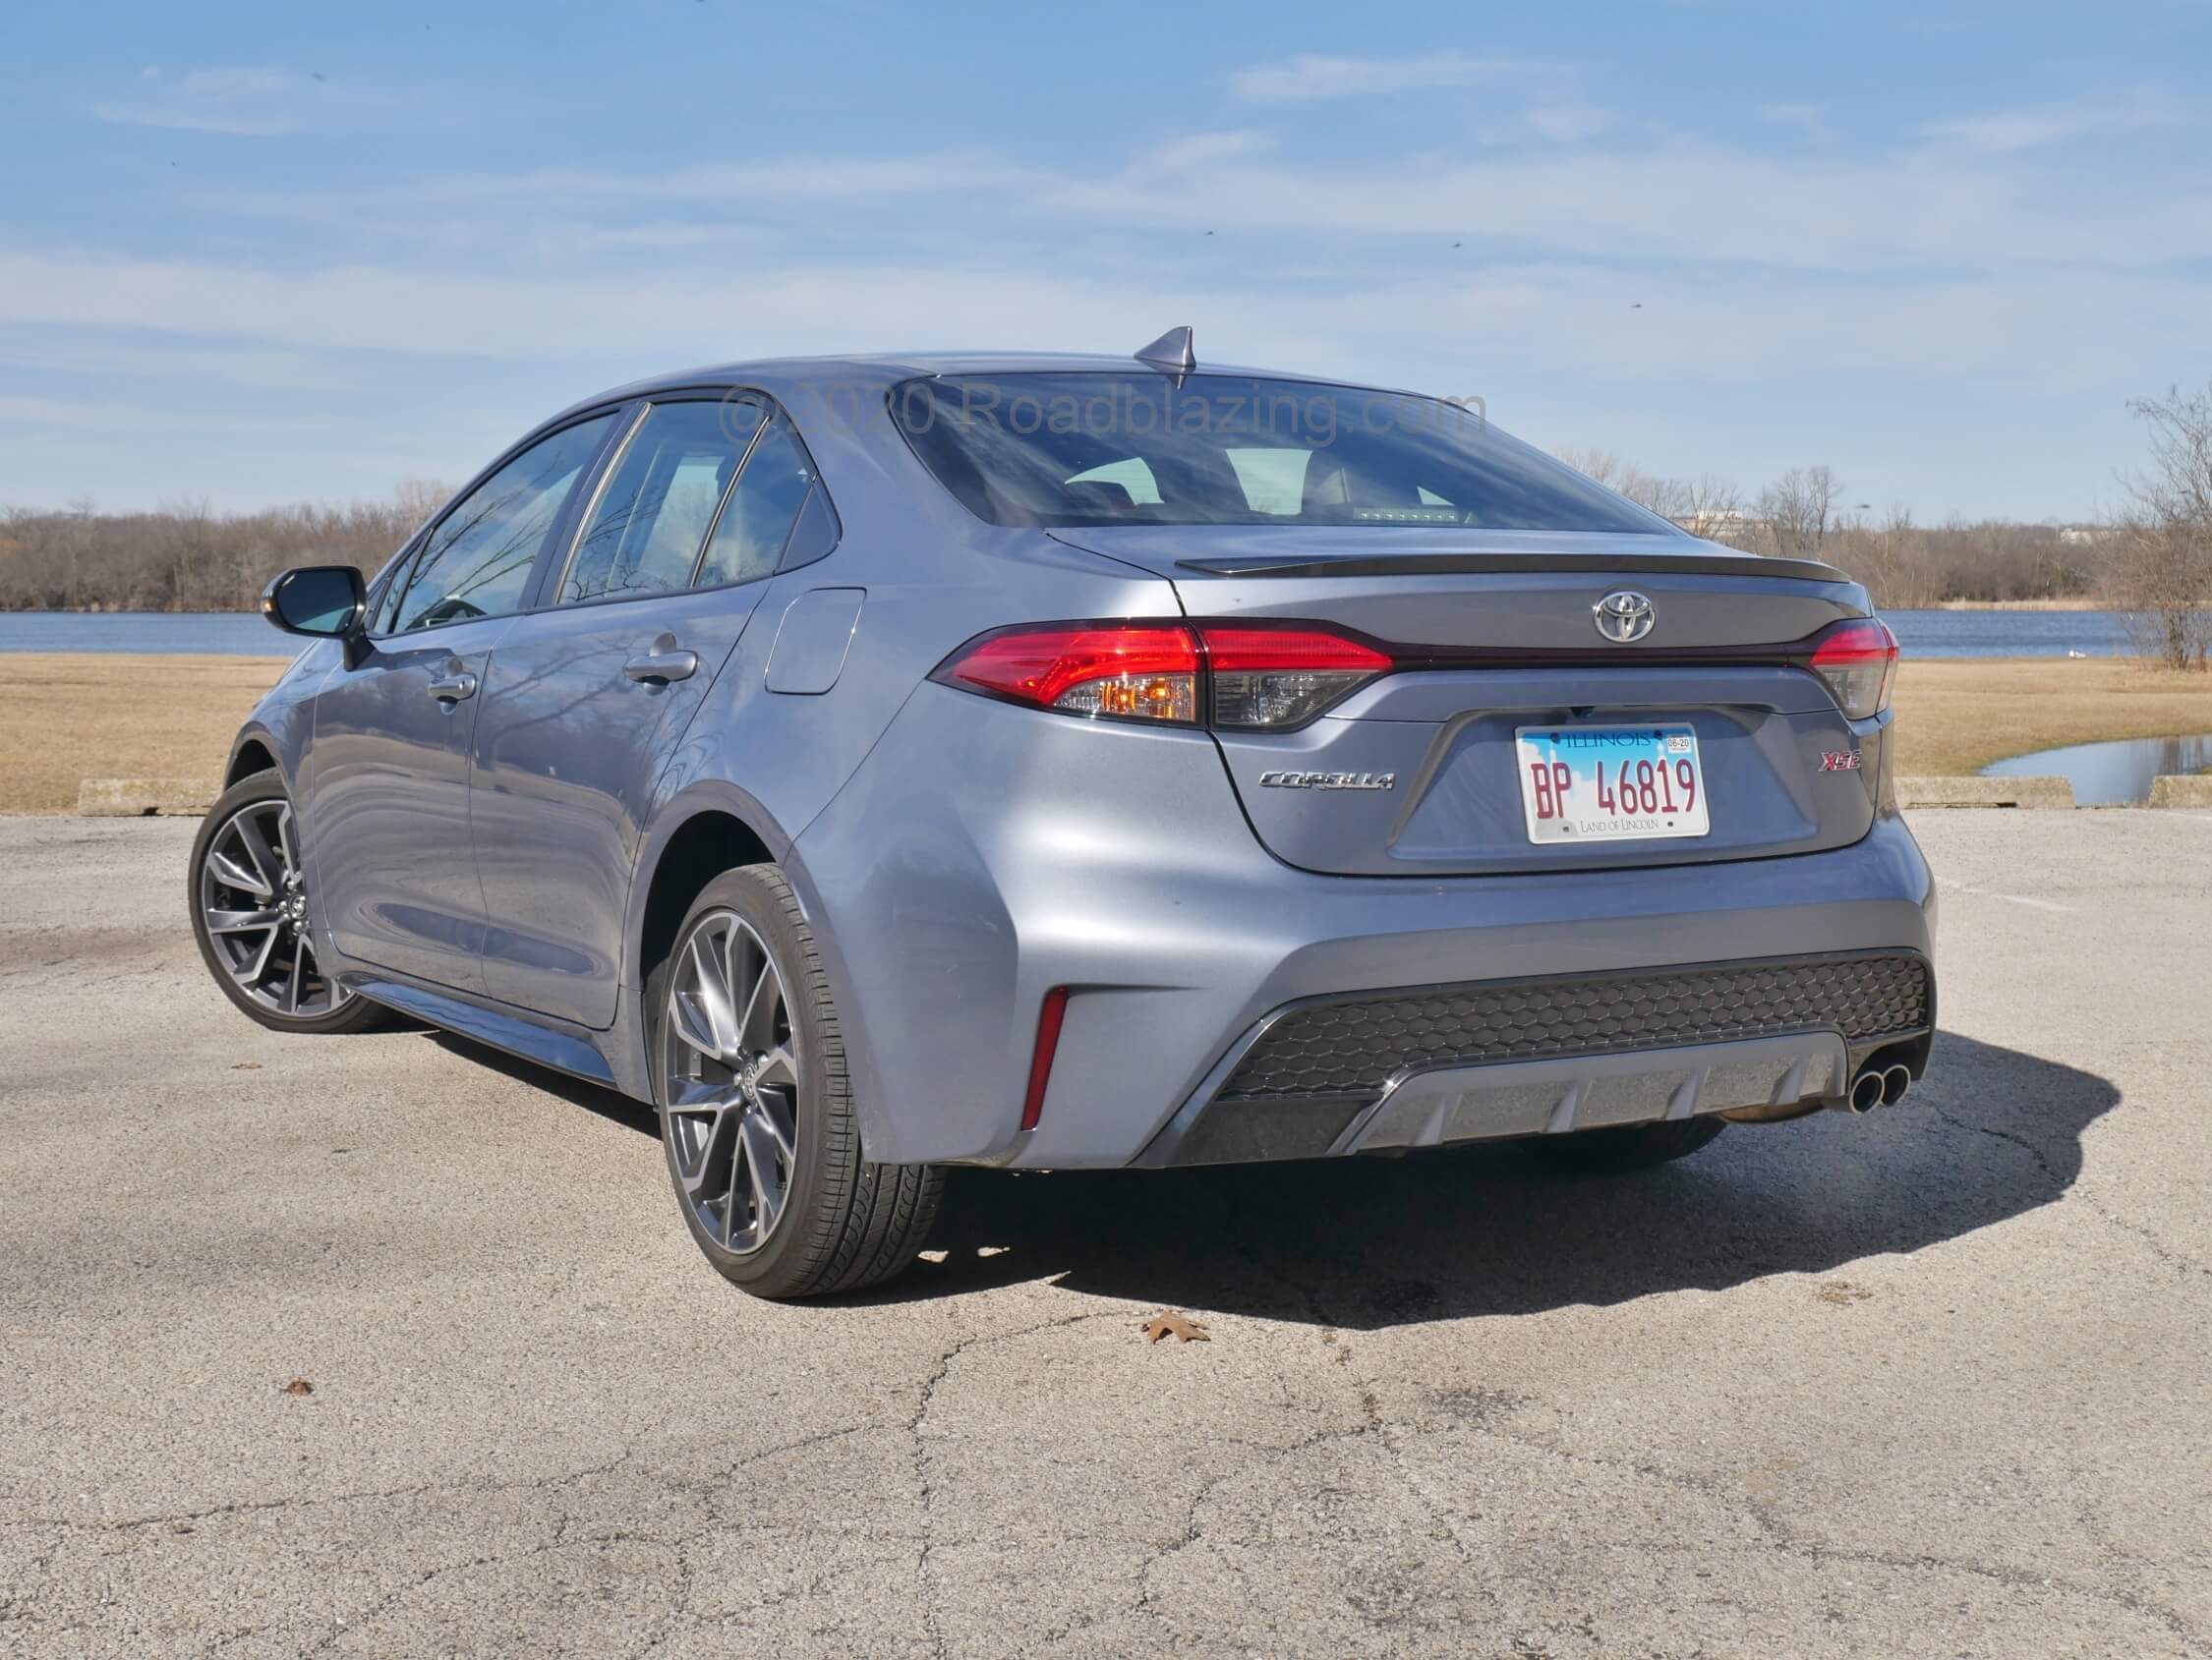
[659,667]
[452,688]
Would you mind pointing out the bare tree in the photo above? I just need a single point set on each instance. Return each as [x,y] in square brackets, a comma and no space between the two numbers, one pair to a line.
[2162,557]
[1798,508]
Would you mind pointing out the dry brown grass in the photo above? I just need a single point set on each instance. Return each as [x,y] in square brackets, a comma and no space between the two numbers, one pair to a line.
[66,716]
[1958,714]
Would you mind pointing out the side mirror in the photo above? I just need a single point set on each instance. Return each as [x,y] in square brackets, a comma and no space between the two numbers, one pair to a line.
[327,602]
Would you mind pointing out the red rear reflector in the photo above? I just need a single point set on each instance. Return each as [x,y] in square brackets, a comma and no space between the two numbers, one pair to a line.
[1049,1016]
[1858,660]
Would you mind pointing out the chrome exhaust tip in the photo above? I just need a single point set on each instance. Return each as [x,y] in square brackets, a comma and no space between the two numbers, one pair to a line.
[1894,1082]
[1866,1092]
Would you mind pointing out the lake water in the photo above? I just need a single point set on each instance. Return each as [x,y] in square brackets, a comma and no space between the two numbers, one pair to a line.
[1922,634]
[2009,633]
[2107,773]
[228,632]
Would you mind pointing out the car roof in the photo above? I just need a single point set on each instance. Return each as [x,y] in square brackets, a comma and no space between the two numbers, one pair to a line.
[772,374]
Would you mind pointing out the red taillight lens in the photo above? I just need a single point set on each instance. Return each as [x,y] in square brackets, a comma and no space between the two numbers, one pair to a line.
[1137,671]
[1858,660]
[1263,678]
[1276,677]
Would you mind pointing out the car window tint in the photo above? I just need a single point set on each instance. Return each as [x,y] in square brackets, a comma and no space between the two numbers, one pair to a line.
[749,540]
[652,516]
[477,562]
[1065,448]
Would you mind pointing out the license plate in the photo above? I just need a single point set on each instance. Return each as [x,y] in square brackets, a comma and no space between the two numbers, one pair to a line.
[1611,783]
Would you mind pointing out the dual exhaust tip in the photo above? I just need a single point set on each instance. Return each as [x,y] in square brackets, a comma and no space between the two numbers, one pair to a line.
[1872,1088]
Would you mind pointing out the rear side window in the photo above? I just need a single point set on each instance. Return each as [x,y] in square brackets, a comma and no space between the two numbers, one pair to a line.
[748,542]
[477,562]
[1113,448]
[652,516]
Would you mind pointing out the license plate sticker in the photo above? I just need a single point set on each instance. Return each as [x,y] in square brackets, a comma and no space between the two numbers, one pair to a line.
[1611,783]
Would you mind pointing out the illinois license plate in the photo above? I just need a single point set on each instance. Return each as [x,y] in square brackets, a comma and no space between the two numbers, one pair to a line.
[1611,783]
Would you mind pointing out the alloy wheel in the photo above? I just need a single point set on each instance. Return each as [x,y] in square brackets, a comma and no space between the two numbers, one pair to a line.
[254,905]
[730,1066]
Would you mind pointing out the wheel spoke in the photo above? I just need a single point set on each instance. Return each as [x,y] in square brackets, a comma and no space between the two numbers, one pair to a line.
[712,992]
[778,1119]
[242,922]
[252,977]
[258,850]
[292,982]
[285,844]
[692,1026]
[756,1031]
[760,1166]
[778,1069]
[231,874]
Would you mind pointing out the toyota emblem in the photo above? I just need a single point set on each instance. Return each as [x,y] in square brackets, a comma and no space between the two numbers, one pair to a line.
[1623,617]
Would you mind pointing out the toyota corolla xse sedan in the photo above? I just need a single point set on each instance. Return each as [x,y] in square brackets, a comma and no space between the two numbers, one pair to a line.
[884,764]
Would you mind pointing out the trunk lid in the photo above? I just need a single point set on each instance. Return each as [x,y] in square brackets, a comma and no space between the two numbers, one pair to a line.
[1418,772]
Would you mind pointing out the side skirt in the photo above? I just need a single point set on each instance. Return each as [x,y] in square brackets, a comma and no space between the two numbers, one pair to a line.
[564,1048]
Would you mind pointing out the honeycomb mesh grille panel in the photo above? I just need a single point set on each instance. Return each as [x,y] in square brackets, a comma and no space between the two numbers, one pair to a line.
[1351,1048]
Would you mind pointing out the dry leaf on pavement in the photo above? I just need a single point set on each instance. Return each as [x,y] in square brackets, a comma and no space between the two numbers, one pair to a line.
[1180,1326]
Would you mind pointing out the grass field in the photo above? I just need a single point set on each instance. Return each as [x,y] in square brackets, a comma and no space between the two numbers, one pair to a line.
[65,718]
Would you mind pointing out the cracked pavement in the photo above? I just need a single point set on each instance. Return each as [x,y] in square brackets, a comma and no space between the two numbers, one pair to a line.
[1933,1383]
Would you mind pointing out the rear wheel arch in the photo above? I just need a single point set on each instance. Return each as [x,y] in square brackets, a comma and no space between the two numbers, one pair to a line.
[702,846]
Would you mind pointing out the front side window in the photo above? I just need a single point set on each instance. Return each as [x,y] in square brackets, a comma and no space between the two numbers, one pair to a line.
[653,514]
[1116,449]
[477,562]
[749,540]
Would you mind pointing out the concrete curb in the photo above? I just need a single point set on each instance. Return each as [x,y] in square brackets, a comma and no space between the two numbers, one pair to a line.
[138,798]
[1985,792]
[2182,789]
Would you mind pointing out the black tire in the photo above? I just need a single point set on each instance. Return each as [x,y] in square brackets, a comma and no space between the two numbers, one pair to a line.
[347,1014]
[1630,1147]
[846,1223]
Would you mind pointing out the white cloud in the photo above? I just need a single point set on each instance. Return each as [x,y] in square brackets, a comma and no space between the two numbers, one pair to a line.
[245,101]
[1309,77]
[2009,132]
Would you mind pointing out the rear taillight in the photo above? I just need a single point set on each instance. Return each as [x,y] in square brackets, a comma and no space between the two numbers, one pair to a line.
[1135,671]
[1858,660]
[1224,675]
[1278,677]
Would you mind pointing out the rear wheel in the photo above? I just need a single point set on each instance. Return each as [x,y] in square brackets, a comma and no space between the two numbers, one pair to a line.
[250,914]
[756,1107]
[1630,1147]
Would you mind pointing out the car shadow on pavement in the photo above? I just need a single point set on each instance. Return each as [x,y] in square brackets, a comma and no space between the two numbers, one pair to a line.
[1369,1242]
[1500,1228]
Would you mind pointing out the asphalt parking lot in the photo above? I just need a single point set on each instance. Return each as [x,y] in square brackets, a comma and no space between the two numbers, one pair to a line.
[1936,1382]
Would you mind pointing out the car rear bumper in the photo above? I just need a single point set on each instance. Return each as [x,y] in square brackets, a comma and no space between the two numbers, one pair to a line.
[986,854]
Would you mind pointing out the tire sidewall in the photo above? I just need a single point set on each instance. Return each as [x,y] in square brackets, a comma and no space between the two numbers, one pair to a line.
[750,894]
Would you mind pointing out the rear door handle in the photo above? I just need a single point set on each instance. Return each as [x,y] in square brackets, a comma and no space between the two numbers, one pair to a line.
[659,667]
[452,688]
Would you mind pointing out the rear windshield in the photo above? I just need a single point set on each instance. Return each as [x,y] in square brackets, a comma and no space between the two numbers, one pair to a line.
[1221,449]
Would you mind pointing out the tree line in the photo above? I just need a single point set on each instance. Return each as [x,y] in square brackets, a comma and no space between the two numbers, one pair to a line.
[2152,560]
[185,556]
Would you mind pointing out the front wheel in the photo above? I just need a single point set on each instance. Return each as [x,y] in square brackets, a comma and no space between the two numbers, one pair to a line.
[250,914]
[756,1107]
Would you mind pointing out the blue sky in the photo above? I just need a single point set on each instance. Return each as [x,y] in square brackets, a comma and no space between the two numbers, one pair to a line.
[256,254]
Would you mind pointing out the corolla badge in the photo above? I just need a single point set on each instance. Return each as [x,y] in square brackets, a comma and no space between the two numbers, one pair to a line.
[1328,781]
[1623,616]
